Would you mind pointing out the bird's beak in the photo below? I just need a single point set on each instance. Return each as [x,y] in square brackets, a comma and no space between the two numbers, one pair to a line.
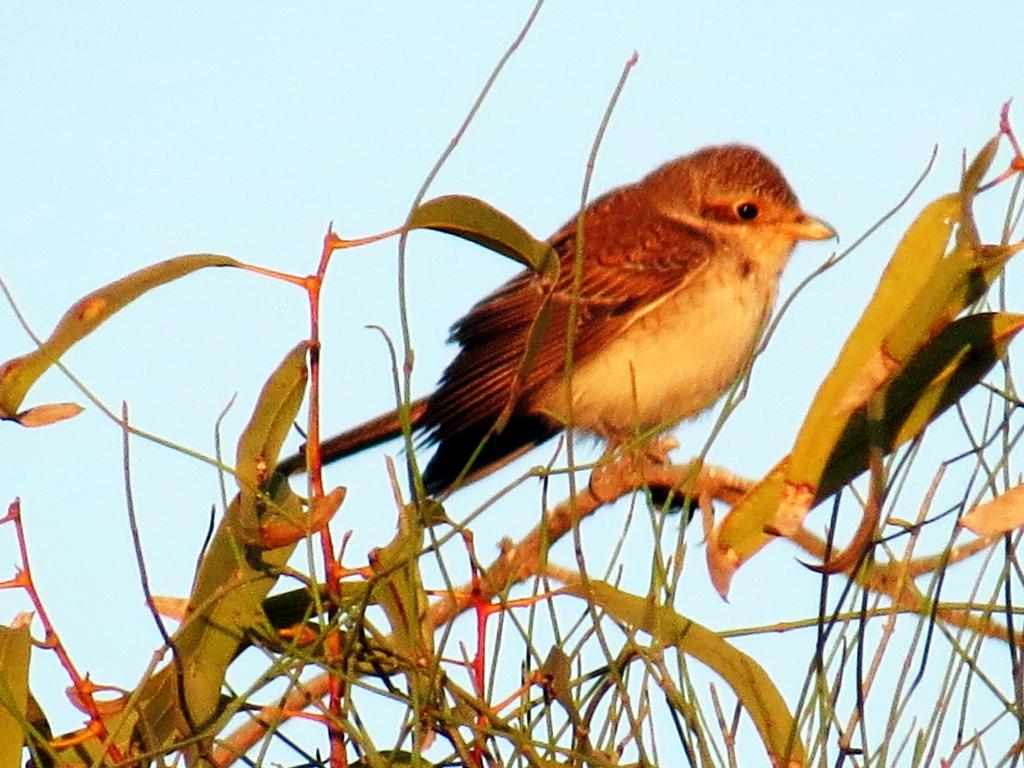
[805,227]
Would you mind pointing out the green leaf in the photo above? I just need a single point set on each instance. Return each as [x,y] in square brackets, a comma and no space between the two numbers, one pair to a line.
[261,441]
[863,366]
[922,290]
[15,648]
[235,575]
[753,687]
[19,374]
[475,220]
[397,588]
[935,379]
[979,166]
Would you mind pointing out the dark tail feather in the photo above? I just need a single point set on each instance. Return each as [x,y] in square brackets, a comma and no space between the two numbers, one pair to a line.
[368,434]
[454,452]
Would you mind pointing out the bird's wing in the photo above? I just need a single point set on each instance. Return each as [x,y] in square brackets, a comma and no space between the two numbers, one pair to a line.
[629,264]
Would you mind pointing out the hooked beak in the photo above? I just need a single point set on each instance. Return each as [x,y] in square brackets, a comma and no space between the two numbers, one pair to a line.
[805,227]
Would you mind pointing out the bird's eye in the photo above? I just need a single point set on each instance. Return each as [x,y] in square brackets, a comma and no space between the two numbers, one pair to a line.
[747,211]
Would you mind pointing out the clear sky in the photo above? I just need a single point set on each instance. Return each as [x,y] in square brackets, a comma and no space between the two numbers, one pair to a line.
[133,132]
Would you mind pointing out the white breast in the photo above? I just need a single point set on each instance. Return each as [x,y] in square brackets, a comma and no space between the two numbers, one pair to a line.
[672,362]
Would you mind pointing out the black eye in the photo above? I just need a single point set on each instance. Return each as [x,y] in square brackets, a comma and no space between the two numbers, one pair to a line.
[747,211]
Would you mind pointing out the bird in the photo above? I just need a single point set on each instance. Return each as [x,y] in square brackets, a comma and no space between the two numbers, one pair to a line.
[678,275]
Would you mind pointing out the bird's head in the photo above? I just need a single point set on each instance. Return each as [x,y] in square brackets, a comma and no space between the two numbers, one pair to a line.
[735,191]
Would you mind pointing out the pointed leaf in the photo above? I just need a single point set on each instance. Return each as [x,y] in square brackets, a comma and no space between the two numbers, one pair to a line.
[44,415]
[236,573]
[753,687]
[979,166]
[862,366]
[19,374]
[1001,515]
[238,570]
[261,443]
[475,220]
[935,379]
[921,291]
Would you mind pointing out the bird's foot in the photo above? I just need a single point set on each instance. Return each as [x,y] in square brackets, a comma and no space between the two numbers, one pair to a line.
[656,450]
[626,463]
[633,456]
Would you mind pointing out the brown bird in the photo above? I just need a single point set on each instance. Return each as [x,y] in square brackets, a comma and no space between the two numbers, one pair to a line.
[678,275]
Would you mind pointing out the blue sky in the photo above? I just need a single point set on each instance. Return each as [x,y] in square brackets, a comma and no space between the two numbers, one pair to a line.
[133,132]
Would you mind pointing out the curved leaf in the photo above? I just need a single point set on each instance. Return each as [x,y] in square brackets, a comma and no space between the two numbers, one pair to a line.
[936,378]
[261,441]
[753,687]
[474,220]
[19,374]
[922,290]
[236,573]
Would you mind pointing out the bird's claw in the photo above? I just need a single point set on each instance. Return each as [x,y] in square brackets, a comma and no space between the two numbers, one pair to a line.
[656,450]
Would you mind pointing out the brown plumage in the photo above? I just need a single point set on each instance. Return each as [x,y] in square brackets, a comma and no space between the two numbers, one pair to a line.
[679,271]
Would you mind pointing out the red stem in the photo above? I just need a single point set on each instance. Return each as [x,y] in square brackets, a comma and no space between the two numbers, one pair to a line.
[83,687]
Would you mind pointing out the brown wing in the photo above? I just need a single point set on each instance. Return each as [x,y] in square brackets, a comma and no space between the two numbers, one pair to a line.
[632,257]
